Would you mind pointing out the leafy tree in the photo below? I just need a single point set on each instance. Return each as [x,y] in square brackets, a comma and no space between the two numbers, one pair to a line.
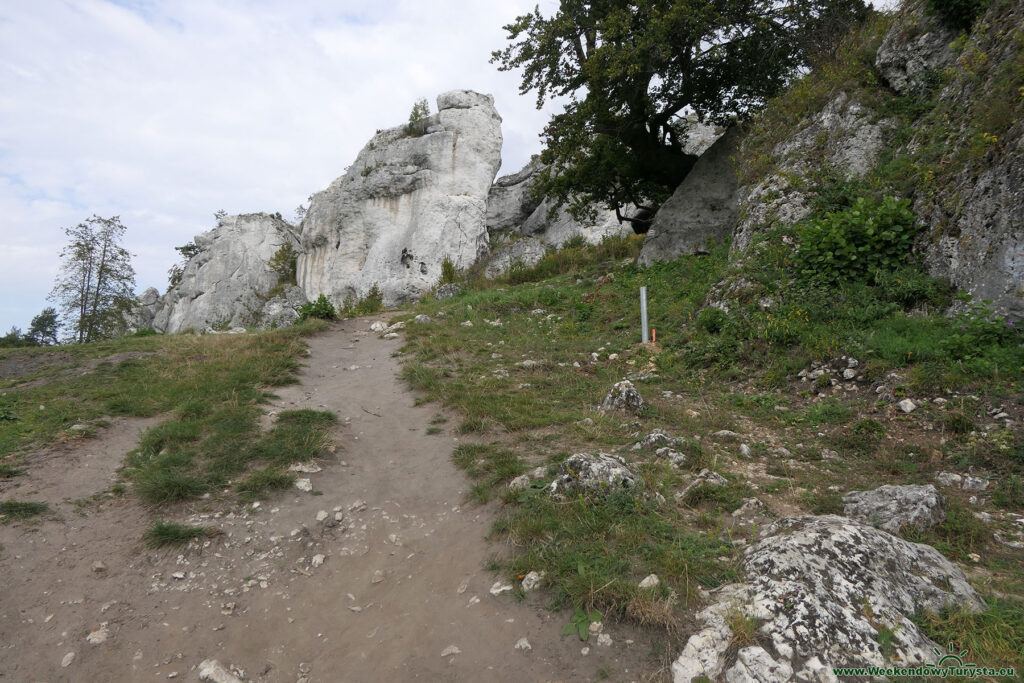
[96,283]
[44,327]
[633,69]
[175,272]
[420,110]
[14,337]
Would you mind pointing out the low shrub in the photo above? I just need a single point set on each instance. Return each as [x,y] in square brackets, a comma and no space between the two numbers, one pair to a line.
[321,308]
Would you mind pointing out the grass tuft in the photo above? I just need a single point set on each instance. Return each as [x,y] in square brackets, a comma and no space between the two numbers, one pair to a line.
[161,534]
[15,509]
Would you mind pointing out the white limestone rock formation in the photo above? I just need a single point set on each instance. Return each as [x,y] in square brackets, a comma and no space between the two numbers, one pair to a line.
[423,189]
[822,589]
[525,253]
[227,283]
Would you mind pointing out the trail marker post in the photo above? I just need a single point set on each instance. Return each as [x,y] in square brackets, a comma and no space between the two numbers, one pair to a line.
[643,313]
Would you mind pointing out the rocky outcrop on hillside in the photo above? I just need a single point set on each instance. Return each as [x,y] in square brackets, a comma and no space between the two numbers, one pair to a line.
[228,282]
[422,188]
[974,234]
[822,591]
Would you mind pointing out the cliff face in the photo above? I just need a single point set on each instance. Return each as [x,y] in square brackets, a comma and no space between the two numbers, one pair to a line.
[914,111]
[227,284]
[424,190]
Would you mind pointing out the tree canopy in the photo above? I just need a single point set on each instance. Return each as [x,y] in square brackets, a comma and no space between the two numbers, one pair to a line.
[95,287]
[633,69]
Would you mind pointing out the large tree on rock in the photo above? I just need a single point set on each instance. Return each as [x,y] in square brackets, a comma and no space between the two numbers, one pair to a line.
[633,70]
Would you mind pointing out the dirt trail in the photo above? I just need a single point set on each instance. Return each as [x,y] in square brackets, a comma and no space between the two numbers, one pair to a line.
[371,576]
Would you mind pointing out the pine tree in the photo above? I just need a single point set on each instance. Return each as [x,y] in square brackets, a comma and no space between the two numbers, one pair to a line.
[96,282]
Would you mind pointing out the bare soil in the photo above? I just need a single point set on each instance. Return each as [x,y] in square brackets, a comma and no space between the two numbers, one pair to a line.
[377,574]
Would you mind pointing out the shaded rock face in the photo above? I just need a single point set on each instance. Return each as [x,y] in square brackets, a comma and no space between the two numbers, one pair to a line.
[894,508]
[226,284]
[821,589]
[426,193]
[511,211]
[148,303]
[703,208]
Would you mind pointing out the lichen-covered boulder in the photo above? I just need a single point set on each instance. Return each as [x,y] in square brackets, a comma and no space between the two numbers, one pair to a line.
[281,310]
[623,396]
[226,284]
[601,473]
[917,45]
[421,188]
[894,508]
[822,590]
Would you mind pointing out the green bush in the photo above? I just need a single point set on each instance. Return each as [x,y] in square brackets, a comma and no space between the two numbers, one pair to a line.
[712,319]
[853,243]
[909,286]
[959,14]
[448,272]
[372,303]
[284,263]
[321,308]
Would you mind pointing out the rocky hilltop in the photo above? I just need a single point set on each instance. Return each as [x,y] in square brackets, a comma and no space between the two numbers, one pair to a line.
[419,187]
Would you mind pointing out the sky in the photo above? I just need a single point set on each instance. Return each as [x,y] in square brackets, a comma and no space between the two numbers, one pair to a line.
[163,112]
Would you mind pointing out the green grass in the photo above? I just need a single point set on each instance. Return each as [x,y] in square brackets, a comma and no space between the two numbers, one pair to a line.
[162,534]
[213,387]
[993,637]
[8,470]
[13,509]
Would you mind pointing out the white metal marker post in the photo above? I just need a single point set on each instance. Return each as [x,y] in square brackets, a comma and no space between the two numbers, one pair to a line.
[643,313]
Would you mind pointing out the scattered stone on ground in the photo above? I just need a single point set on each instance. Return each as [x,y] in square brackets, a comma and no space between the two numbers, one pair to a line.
[704,478]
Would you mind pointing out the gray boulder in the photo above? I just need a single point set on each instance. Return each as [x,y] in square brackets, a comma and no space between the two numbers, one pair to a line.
[227,283]
[702,210]
[585,473]
[893,508]
[822,590]
[447,291]
[146,306]
[422,188]
[918,44]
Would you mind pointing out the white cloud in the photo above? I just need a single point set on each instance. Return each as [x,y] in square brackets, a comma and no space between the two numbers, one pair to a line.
[163,112]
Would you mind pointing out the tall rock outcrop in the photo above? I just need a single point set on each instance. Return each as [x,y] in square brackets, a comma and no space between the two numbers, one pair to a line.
[228,283]
[421,187]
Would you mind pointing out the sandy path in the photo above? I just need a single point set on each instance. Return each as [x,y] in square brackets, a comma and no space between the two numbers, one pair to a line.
[289,593]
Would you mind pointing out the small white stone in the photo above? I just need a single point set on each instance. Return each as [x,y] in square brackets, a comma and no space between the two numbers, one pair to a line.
[523,644]
[68,658]
[321,515]
[180,576]
[451,650]
[532,581]
[745,450]
[304,485]
[378,576]
[604,640]
[650,581]
[907,406]
[499,587]
[317,560]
